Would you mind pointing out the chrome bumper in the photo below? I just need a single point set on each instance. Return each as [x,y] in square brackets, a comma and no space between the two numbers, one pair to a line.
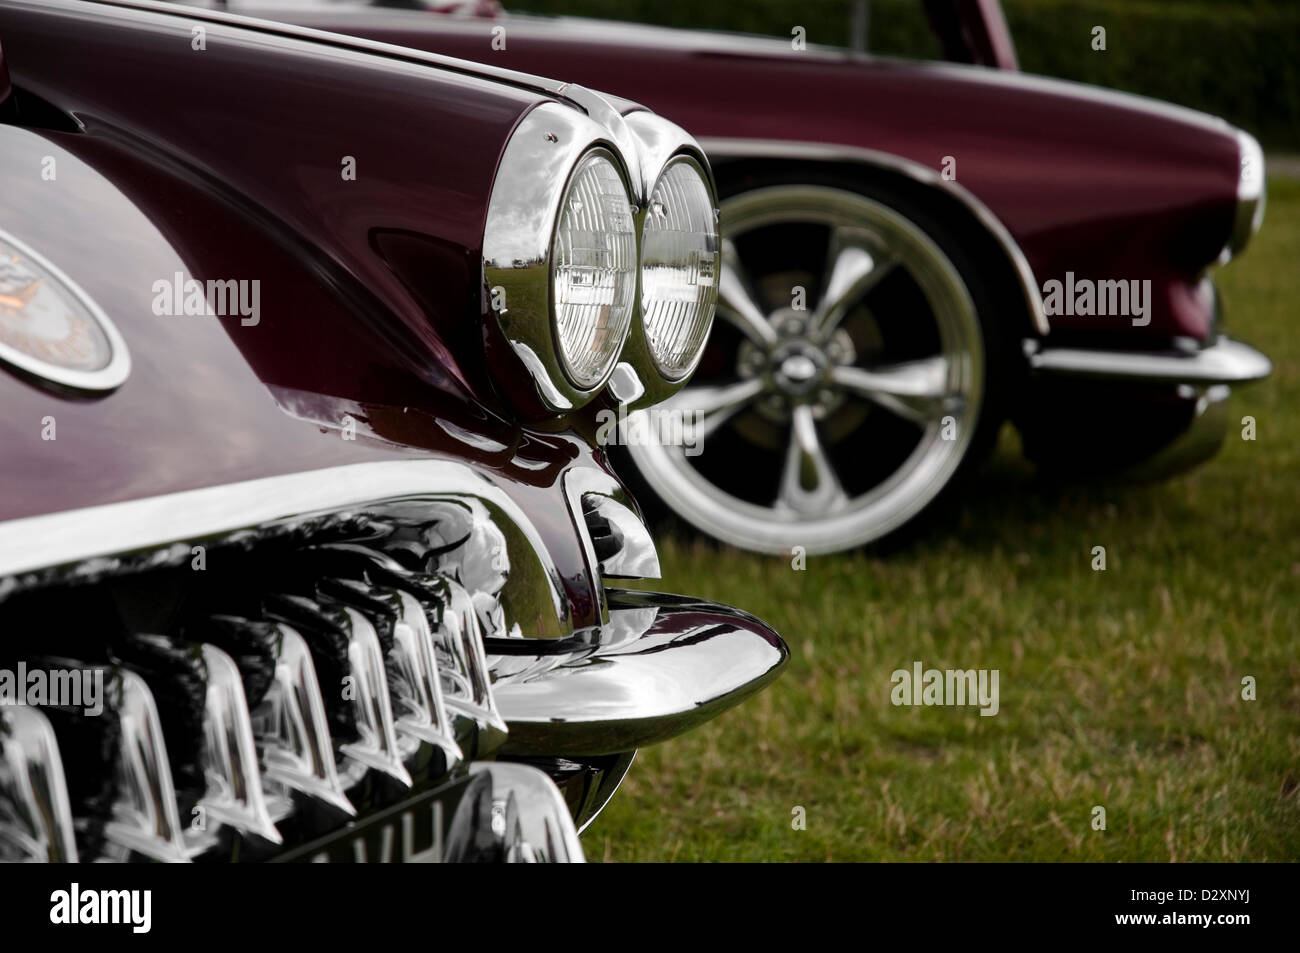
[1225,361]
[662,665]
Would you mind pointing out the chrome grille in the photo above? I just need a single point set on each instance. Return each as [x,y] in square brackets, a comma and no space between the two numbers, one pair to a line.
[298,681]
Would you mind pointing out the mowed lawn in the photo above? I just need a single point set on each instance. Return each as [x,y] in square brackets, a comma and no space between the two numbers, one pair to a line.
[1119,689]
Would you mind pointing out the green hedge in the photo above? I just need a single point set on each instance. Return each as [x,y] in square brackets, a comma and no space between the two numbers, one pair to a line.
[1239,60]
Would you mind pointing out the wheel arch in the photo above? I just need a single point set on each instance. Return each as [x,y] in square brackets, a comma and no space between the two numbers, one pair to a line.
[993,248]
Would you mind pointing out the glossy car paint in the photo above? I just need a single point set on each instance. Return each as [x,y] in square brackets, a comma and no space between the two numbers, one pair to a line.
[1101,184]
[212,163]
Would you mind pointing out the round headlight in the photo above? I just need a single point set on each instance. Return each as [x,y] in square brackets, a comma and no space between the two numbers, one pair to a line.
[593,270]
[679,267]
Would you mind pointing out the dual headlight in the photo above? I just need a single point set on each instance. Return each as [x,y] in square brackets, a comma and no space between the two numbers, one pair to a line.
[600,257]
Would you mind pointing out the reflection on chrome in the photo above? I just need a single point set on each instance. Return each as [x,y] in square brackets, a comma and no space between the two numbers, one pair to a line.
[234,793]
[525,812]
[144,816]
[614,697]
[291,728]
[376,746]
[524,276]
[35,816]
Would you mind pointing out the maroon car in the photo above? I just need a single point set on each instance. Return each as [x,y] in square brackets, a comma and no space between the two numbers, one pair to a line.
[914,253]
[307,548]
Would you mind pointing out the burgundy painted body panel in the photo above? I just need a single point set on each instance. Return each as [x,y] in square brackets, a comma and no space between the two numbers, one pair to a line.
[1101,184]
[370,300]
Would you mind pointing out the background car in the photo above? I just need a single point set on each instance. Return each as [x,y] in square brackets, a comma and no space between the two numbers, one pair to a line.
[889,229]
[306,549]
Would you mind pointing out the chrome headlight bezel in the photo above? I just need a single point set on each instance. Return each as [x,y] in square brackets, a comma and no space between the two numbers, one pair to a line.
[547,146]
[662,143]
[532,180]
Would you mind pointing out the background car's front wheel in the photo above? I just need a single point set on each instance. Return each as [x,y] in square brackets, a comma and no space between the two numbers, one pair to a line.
[846,384]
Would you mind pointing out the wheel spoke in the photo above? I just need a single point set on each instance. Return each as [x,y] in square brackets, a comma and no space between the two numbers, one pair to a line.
[736,305]
[711,407]
[809,485]
[916,390]
[852,270]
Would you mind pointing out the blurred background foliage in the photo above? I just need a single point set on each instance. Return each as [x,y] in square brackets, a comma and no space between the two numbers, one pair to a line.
[1239,59]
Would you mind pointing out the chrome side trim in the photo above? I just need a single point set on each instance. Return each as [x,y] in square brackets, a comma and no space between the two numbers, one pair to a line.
[1223,362]
[170,523]
[719,148]
[347,46]
[35,813]
[604,112]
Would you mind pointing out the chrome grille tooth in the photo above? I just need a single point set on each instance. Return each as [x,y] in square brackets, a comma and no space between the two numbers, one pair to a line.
[35,812]
[144,817]
[377,745]
[450,610]
[459,634]
[428,716]
[411,660]
[291,726]
[234,793]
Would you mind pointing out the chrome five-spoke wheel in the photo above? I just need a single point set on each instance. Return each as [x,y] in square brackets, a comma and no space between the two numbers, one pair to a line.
[843,383]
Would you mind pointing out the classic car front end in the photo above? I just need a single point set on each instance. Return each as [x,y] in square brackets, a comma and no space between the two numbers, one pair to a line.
[308,549]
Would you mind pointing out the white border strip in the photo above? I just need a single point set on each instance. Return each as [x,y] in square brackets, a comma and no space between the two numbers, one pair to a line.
[57,539]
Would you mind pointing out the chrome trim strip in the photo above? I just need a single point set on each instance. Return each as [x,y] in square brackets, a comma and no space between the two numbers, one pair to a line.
[1224,362]
[72,536]
[733,148]
[343,45]
[602,111]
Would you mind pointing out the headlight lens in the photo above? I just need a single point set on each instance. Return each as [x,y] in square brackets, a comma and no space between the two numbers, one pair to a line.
[679,267]
[593,270]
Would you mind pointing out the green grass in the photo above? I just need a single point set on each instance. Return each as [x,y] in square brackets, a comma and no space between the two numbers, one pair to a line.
[1118,688]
